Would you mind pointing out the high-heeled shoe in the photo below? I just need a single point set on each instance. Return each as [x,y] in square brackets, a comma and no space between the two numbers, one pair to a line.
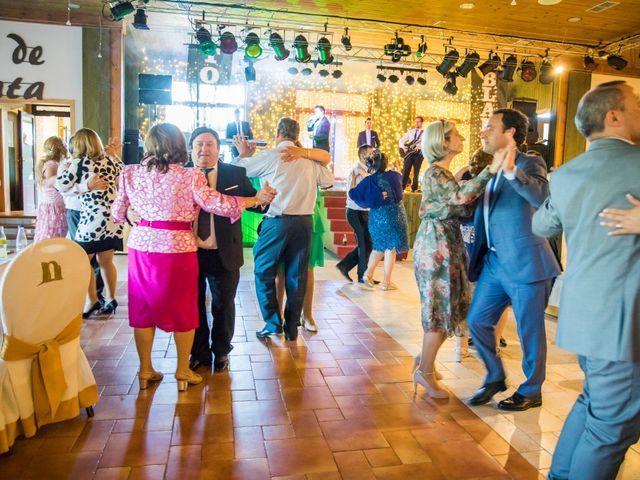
[109,308]
[145,378]
[191,378]
[416,363]
[94,308]
[434,391]
[389,286]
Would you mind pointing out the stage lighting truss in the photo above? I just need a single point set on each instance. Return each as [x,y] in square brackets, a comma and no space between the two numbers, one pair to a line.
[397,49]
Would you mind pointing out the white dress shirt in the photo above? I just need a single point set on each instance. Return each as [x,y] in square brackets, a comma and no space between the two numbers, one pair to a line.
[410,136]
[359,172]
[209,243]
[296,181]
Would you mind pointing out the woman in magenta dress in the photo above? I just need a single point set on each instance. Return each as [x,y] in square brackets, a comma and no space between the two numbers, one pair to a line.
[52,214]
[163,264]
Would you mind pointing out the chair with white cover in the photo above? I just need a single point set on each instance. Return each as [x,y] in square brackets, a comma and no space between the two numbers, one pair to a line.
[43,292]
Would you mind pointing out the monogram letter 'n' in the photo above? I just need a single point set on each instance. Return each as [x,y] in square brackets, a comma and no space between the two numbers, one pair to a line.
[51,272]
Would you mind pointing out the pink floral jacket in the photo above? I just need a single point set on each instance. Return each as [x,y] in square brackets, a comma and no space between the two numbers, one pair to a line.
[176,196]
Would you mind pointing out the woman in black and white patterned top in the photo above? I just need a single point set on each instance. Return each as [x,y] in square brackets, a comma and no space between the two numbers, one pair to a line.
[97,233]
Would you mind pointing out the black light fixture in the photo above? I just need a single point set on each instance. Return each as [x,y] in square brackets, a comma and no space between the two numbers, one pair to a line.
[228,43]
[206,45]
[277,44]
[253,50]
[140,20]
[528,71]
[450,86]
[492,63]
[393,78]
[381,78]
[546,71]
[470,61]
[250,73]
[422,48]
[292,71]
[589,63]
[120,9]
[306,71]
[509,68]
[346,40]
[336,74]
[397,49]
[324,51]
[410,79]
[422,81]
[302,49]
[449,60]
[324,73]
[616,62]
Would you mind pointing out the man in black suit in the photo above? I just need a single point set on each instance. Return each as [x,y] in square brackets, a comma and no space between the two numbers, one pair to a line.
[368,136]
[238,127]
[220,254]
[319,128]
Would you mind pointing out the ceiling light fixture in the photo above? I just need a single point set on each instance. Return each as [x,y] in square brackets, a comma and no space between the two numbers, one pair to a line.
[206,45]
[277,44]
[336,74]
[393,78]
[228,43]
[448,61]
[302,49]
[422,48]
[346,40]
[120,9]
[546,71]
[467,5]
[421,80]
[589,63]
[140,20]
[250,73]
[410,79]
[381,78]
[324,51]
[491,64]
[470,61]
[450,86]
[528,71]
[509,68]
[616,62]
[397,49]
[253,50]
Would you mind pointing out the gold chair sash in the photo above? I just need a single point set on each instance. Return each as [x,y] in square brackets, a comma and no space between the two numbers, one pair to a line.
[47,375]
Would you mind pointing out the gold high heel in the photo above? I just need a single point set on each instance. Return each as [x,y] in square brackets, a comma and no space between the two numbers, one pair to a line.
[191,378]
[432,391]
[416,363]
[145,378]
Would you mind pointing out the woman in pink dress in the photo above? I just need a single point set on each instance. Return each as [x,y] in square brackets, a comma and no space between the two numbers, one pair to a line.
[52,215]
[163,263]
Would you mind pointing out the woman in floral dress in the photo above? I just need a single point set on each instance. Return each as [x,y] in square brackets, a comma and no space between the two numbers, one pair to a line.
[439,255]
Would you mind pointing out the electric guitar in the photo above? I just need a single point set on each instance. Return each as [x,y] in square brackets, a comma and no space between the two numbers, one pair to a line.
[412,146]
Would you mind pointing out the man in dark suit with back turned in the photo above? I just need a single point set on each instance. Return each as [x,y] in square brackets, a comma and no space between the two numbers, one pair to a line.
[510,263]
[238,127]
[220,254]
[600,300]
[368,136]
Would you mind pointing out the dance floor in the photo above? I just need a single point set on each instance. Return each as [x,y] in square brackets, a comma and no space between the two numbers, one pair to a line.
[337,404]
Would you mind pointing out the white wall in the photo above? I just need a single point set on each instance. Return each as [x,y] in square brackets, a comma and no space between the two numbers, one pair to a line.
[61,71]
[598,78]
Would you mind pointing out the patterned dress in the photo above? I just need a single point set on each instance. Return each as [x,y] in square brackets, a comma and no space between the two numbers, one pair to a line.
[439,255]
[52,214]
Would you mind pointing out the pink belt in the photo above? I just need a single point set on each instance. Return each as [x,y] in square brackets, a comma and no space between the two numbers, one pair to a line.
[165,225]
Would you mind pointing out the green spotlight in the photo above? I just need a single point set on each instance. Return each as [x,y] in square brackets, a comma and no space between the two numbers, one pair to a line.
[253,49]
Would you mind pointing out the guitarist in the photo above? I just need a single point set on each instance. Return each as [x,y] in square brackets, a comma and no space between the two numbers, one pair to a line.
[410,150]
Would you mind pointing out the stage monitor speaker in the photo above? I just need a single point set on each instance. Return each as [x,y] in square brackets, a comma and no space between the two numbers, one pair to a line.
[154,89]
[528,107]
[132,149]
[154,97]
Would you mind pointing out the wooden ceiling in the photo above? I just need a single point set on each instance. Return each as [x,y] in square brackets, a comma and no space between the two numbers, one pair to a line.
[527,19]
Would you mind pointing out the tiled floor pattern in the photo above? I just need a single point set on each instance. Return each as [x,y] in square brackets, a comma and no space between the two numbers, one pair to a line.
[337,404]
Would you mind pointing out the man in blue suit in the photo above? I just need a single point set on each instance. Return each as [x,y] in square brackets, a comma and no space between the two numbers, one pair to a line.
[511,264]
[368,136]
[600,300]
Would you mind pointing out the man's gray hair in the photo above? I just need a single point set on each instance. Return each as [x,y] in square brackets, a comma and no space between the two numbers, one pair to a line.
[288,128]
[595,104]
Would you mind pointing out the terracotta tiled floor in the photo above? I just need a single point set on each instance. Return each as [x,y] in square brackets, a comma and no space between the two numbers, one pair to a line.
[337,404]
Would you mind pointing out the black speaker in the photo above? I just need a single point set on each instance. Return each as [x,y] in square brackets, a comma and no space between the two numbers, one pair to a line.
[528,107]
[132,149]
[154,89]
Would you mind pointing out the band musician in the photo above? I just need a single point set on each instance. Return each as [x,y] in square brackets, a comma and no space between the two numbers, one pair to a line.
[411,152]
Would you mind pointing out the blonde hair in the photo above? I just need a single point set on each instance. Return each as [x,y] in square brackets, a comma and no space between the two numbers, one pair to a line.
[434,138]
[164,146]
[87,143]
[54,149]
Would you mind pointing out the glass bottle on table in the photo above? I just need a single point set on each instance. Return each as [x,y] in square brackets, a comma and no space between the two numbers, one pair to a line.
[21,239]
[3,244]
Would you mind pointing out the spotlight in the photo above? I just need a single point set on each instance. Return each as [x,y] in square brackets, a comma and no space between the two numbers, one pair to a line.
[205,44]
[324,51]
[381,78]
[397,49]
[292,71]
[528,71]
[409,79]
[253,49]
[324,73]
[449,60]
[616,62]
[509,68]
[450,87]
[393,78]
[422,48]
[589,63]
[470,61]
[228,43]
[306,71]
[250,74]
[422,81]
[277,43]
[490,65]
[302,49]
[346,40]
[546,72]
[120,9]
[140,20]
[336,74]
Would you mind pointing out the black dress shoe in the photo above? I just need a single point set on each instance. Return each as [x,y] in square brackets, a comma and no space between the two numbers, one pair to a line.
[196,363]
[221,363]
[486,393]
[518,403]
[265,332]
[345,273]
